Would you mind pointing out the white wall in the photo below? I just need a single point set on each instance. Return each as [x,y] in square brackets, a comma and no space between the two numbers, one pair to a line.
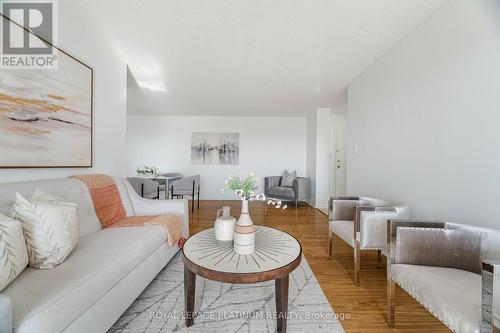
[322,157]
[426,118]
[110,81]
[318,142]
[311,138]
[268,146]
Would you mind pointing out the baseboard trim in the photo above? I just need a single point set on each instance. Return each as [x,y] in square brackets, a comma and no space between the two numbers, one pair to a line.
[323,211]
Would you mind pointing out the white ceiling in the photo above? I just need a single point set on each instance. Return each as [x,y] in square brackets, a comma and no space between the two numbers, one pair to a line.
[241,57]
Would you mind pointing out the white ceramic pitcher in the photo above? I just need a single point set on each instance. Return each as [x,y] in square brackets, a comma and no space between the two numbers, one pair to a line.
[224,225]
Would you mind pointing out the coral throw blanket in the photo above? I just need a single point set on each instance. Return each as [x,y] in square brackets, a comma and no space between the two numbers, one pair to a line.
[171,222]
[107,202]
[111,213]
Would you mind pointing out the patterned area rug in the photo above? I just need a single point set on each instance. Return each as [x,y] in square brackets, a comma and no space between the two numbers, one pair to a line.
[226,307]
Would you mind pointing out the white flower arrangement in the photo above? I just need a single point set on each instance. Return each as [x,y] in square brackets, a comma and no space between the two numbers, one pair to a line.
[246,190]
[147,170]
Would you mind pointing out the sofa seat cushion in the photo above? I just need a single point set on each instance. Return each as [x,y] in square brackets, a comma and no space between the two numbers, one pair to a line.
[452,295]
[47,301]
[281,191]
[344,229]
[171,222]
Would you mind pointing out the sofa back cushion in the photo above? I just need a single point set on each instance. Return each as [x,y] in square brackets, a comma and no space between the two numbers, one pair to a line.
[121,185]
[71,190]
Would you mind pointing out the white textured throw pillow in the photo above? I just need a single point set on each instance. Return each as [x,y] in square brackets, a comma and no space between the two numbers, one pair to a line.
[13,253]
[288,178]
[50,227]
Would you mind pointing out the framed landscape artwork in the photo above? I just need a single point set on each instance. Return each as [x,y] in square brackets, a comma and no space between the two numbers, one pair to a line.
[46,115]
[215,148]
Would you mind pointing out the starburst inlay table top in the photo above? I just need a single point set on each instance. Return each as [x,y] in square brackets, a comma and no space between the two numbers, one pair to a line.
[276,255]
[273,249]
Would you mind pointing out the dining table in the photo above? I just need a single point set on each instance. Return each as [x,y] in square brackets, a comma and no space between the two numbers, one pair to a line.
[162,180]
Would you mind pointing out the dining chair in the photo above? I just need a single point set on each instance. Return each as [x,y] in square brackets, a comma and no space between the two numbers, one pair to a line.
[187,186]
[169,177]
[146,188]
[172,175]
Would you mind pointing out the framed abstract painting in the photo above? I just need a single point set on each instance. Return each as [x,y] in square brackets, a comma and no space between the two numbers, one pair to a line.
[46,115]
[215,148]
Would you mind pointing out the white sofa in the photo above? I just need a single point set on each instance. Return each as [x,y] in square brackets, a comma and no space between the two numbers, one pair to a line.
[361,222]
[451,269]
[103,275]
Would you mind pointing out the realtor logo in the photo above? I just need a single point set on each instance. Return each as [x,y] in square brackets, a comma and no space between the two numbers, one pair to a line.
[28,34]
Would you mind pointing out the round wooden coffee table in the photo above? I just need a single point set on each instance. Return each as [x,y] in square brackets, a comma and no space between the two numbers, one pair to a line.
[277,253]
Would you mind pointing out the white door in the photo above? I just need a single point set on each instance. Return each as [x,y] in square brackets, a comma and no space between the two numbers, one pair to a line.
[340,162]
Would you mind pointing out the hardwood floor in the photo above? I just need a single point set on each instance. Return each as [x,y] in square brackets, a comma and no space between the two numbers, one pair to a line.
[365,305]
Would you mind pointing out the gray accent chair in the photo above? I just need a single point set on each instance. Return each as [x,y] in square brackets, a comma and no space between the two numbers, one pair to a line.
[187,186]
[362,223]
[300,191]
[146,188]
[451,269]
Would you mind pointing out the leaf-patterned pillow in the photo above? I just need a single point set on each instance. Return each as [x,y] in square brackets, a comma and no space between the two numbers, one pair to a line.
[49,230]
[13,253]
[71,211]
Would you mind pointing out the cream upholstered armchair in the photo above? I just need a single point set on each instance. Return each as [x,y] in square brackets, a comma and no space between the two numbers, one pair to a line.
[362,223]
[451,269]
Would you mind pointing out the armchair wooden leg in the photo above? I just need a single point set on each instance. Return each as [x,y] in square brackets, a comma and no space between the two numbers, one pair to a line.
[330,243]
[391,301]
[357,259]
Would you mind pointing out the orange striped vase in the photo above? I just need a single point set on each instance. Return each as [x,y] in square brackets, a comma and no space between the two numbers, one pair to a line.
[244,232]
